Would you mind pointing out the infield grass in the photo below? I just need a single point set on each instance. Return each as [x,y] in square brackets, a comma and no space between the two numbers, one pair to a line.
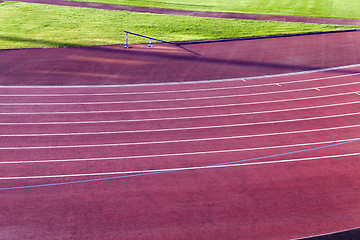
[25,25]
[316,8]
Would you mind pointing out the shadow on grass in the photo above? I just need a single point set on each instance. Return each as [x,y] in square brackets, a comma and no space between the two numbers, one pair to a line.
[38,41]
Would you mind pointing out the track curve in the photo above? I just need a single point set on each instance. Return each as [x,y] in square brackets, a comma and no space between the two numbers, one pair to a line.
[273,157]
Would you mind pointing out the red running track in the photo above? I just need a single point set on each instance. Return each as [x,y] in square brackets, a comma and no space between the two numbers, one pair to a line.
[302,131]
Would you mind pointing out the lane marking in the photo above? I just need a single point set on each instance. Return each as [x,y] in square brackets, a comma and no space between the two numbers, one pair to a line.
[174,118]
[177,129]
[178,140]
[145,174]
[177,91]
[190,82]
[176,169]
[174,154]
[179,99]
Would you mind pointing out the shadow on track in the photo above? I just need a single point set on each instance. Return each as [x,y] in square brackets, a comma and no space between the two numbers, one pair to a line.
[198,59]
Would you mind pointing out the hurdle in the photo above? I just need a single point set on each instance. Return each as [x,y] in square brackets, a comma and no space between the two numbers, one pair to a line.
[143,36]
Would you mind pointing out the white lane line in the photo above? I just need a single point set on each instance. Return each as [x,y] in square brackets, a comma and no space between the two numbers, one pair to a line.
[173,118]
[175,154]
[186,83]
[180,99]
[177,91]
[175,108]
[177,129]
[178,169]
[178,140]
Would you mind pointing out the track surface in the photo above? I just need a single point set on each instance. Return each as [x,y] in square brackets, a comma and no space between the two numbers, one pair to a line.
[55,131]
[302,130]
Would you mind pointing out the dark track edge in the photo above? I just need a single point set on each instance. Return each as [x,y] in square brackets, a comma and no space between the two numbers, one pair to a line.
[353,234]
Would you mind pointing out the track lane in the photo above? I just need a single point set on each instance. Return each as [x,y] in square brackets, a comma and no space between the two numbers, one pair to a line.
[333,72]
[107,127]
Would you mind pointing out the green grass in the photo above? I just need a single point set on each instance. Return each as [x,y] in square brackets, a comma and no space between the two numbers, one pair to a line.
[315,8]
[25,25]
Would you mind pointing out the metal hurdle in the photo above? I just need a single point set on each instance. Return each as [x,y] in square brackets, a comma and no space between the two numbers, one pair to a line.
[139,35]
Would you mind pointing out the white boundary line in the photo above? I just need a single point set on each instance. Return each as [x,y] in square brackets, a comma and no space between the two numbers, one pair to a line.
[177,129]
[176,91]
[180,99]
[178,140]
[192,82]
[174,154]
[179,169]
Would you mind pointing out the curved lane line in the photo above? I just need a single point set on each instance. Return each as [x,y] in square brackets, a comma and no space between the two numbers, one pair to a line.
[175,154]
[176,169]
[178,108]
[174,118]
[181,99]
[179,140]
[176,91]
[185,83]
[177,129]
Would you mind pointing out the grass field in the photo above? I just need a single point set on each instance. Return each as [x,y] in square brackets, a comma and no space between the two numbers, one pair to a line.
[316,8]
[25,25]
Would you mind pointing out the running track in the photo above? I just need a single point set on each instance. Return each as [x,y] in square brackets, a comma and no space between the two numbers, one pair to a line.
[159,153]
